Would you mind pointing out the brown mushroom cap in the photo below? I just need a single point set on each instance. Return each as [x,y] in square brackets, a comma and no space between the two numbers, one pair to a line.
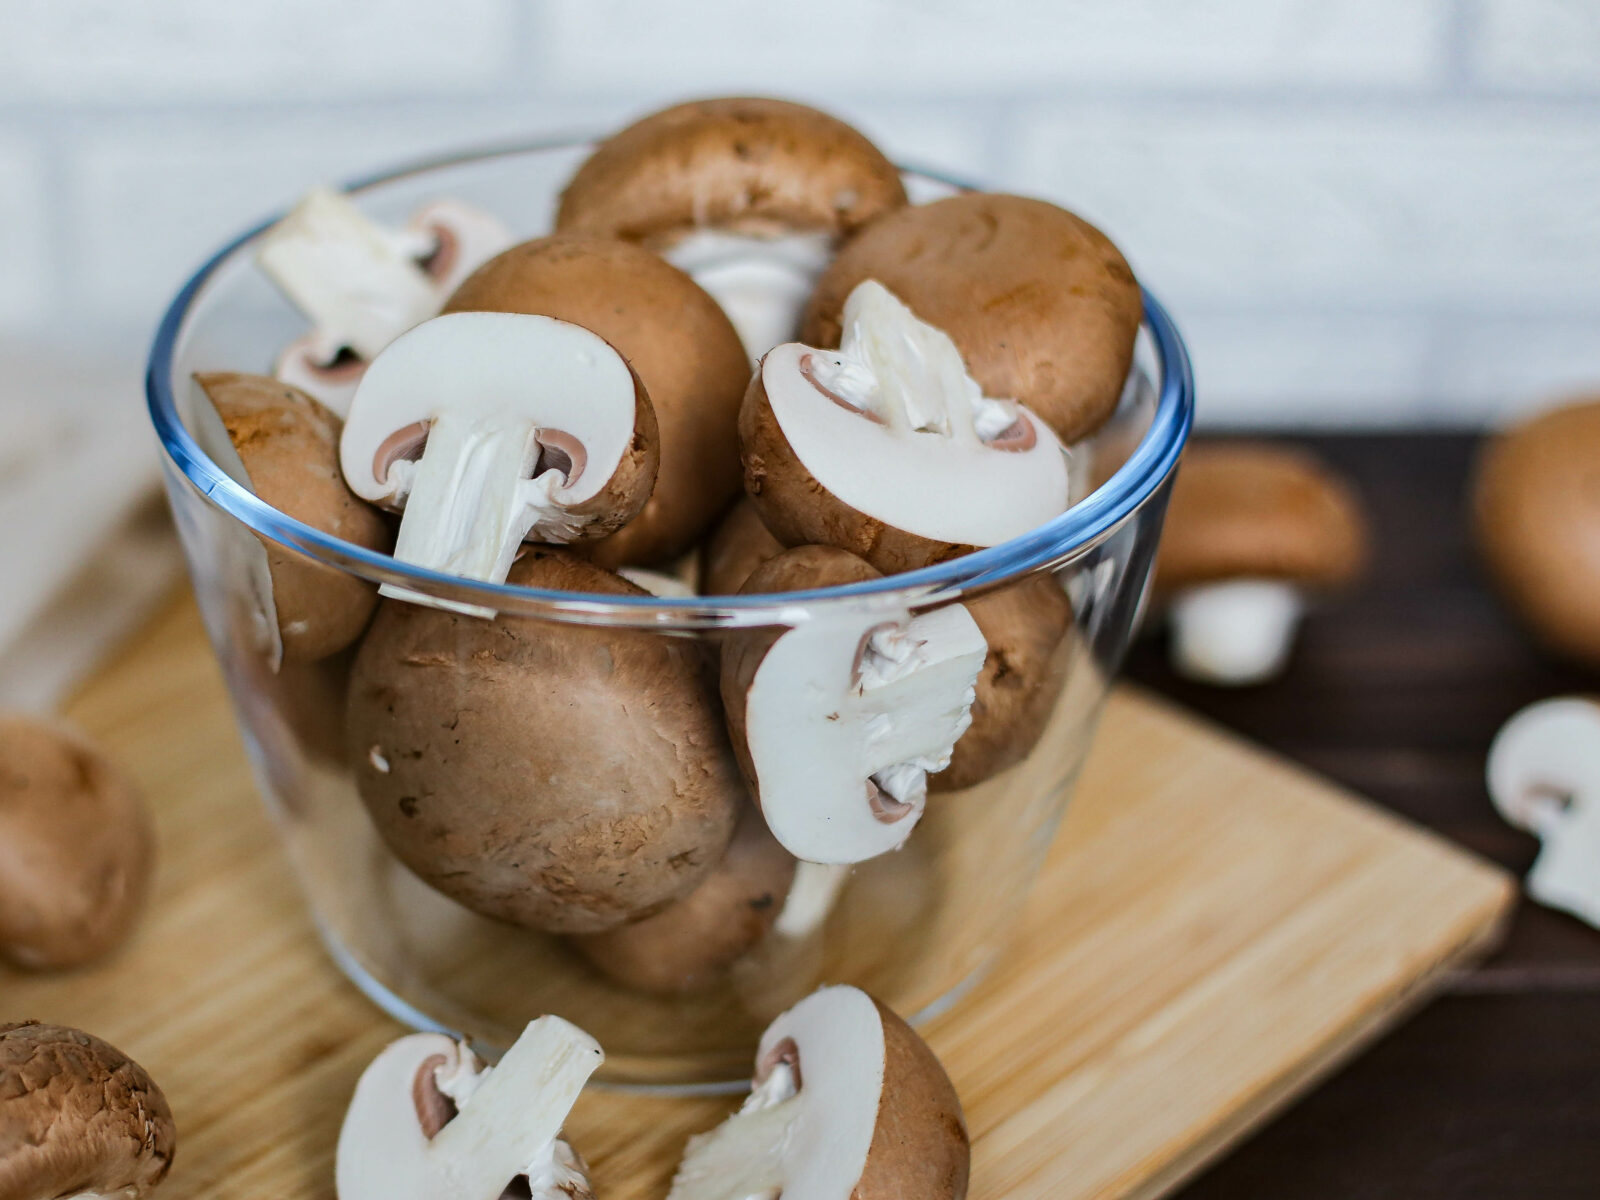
[920,1145]
[77,848]
[1041,304]
[1026,627]
[1260,511]
[686,945]
[77,1116]
[747,163]
[677,340]
[558,776]
[1536,513]
[739,545]
[289,444]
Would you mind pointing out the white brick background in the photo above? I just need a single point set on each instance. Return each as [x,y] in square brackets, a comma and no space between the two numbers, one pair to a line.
[1362,211]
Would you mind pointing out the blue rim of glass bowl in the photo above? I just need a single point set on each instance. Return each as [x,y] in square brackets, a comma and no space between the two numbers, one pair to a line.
[1076,530]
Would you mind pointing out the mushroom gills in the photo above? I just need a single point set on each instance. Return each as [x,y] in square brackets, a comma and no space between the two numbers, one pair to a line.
[846,717]
[1235,632]
[761,282]
[507,1120]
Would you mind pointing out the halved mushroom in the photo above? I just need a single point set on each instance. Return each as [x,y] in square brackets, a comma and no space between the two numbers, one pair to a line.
[682,347]
[284,446]
[1544,777]
[750,196]
[558,776]
[839,721]
[1042,306]
[492,428]
[78,1118]
[363,284]
[1025,625]
[887,448]
[1252,530]
[1536,509]
[847,1103]
[429,1120]
[77,848]
[686,945]
[739,545]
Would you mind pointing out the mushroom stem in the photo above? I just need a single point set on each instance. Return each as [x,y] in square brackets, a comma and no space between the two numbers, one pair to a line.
[477,491]
[513,1117]
[742,1159]
[762,283]
[1236,633]
[358,283]
[812,895]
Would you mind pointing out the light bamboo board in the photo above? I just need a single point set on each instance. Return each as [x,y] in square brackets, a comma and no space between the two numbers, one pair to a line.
[1215,929]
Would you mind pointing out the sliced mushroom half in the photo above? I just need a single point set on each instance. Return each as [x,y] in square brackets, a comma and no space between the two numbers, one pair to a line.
[839,722]
[491,428]
[887,447]
[847,1103]
[429,1120]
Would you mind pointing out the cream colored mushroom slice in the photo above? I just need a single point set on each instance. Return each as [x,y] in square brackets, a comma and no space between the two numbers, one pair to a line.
[847,1103]
[888,448]
[428,1119]
[1544,777]
[362,284]
[1253,532]
[489,429]
[839,721]
[761,282]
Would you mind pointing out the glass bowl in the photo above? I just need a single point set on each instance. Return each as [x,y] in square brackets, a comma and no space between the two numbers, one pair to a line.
[915,927]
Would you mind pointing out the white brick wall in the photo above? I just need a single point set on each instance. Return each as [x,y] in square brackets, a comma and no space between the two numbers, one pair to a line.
[1361,211]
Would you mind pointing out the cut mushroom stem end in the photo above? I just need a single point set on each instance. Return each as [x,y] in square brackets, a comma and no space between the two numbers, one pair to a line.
[1544,777]
[1235,633]
[428,1120]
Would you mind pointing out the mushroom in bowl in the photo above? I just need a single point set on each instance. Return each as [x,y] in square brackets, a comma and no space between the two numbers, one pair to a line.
[750,196]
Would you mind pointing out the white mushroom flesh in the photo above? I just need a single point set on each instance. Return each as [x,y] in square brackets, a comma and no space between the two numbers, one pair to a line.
[658,583]
[1235,632]
[806,1129]
[507,1124]
[762,283]
[1544,776]
[892,424]
[518,418]
[846,717]
[812,894]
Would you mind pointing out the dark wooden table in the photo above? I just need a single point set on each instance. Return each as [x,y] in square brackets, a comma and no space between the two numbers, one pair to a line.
[1493,1090]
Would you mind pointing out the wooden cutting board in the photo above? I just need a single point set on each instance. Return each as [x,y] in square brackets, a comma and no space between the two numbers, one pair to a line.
[1214,930]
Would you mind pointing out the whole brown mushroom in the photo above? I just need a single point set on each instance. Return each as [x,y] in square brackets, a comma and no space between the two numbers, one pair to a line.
[1252,530]
[676,340]
[287,445]
[1536,514]
[1041,304]
[748,195]
[558,776]
[77,848]
[77,1117]
[686,945]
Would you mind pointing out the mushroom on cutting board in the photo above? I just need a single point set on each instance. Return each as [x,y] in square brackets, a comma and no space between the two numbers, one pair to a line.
[1536,510]
[748,195]
[1042,306]
[686,945]
[77,848]
[78,1118]
[847,1103]
[1252,532]
[886,447]
[284,445]
[1544,777]
[558,776]
[363,284]
[680,344]
[838,722]
[428,1120]
[489,428]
